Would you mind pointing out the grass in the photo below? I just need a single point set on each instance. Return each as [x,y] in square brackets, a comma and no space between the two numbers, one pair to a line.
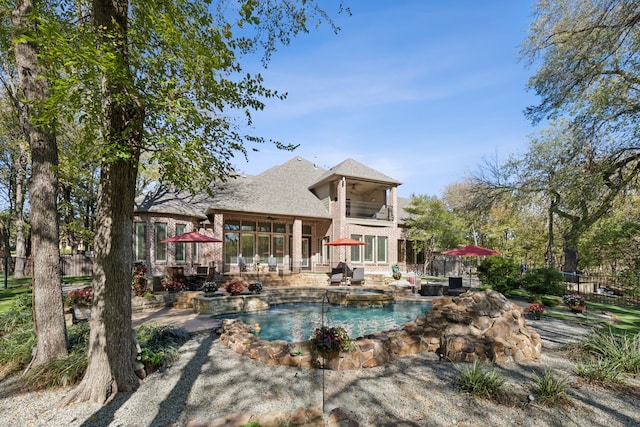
[21,286]
[159,345]
[483,381]
[549,389]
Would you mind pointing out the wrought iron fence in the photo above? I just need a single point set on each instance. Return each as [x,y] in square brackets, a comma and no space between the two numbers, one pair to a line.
[609,289]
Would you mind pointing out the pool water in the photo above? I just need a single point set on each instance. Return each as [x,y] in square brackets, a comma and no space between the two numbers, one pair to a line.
[296,322]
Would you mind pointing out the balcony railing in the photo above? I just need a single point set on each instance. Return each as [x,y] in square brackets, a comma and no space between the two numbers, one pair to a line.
[369,210]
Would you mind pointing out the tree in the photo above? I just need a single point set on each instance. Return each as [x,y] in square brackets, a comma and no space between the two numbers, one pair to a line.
[159,77]
[588,67]
[431,226]
[15,162]
[33,88]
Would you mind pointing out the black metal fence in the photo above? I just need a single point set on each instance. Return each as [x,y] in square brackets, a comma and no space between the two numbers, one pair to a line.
[609,289]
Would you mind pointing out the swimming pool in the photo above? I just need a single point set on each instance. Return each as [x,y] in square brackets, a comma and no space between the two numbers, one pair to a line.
[296,322]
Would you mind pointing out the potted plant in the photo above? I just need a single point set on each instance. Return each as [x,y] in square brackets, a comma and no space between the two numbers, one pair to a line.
[575,302]
[535,310]
[139,282]
[328,342]
[173,286]
[209,288]
[255,288]
[235,288]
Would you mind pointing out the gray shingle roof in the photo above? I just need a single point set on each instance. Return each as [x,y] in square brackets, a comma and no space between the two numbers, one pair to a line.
[281,190]
[353,169]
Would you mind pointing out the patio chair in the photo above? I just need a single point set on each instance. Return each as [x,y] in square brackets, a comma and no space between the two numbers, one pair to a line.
[358,276]
[336,279]
[455,286]
[344,269]
[273,263]
[242,264]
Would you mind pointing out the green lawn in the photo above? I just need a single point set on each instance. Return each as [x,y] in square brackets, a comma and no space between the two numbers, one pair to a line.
[16,287]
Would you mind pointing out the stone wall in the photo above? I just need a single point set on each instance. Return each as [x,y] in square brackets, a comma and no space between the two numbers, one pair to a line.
[474,326]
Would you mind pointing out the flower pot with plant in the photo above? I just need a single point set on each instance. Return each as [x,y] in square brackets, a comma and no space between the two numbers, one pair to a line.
[255,288]
[235,288]
[575,302]
[209,288]
[328,342]
[535,310]
[173,286]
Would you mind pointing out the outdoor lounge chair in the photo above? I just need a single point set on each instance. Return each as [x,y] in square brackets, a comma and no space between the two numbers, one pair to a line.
[336,279]
[358,276]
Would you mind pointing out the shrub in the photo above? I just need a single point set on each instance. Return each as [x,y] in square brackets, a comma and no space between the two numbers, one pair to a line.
[543,281]
[601,371]
[550,389]
[82,296]
[159,344]
[139,281]
[502,274]
[621,349]
[550,301]
[481,382]
[22,302]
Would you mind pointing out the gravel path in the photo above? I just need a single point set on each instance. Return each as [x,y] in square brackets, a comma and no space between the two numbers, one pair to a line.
[210,382]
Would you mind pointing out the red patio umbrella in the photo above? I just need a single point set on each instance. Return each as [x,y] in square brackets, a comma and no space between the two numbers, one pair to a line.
[191,237]
[346,241]
[471,250]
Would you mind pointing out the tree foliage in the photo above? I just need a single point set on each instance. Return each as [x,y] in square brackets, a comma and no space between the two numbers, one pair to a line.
[431,226]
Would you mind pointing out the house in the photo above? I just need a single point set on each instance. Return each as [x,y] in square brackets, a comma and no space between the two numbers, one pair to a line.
[283,216]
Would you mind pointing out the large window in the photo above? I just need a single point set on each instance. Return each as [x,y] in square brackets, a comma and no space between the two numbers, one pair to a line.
[264,247]
[369,248]
[231,247]
[248,249]
[382,249]
[160,233]
[251,238]
[356,251]
[181,248]
[278,248]
[140,242]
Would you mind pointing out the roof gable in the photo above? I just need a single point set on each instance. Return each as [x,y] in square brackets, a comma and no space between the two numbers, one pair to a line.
[356,170]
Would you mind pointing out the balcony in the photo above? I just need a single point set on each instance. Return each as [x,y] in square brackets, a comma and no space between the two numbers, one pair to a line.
[369,210]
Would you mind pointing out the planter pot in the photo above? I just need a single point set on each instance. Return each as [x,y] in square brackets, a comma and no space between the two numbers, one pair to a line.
[577,308]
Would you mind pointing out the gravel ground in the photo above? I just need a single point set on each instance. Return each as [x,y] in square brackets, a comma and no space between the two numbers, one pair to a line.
[210,382]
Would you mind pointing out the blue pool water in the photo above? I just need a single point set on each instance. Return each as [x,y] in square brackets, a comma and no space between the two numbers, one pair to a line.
[296,322]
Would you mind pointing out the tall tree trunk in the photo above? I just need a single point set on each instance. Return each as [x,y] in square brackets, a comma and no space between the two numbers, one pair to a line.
[21,246]
[33,87]
[550,257]
[111,365]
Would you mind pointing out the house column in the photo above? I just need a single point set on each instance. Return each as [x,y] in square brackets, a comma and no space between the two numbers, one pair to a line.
[296,242]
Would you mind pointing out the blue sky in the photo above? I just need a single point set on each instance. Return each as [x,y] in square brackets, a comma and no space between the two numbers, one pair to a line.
[420,90]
